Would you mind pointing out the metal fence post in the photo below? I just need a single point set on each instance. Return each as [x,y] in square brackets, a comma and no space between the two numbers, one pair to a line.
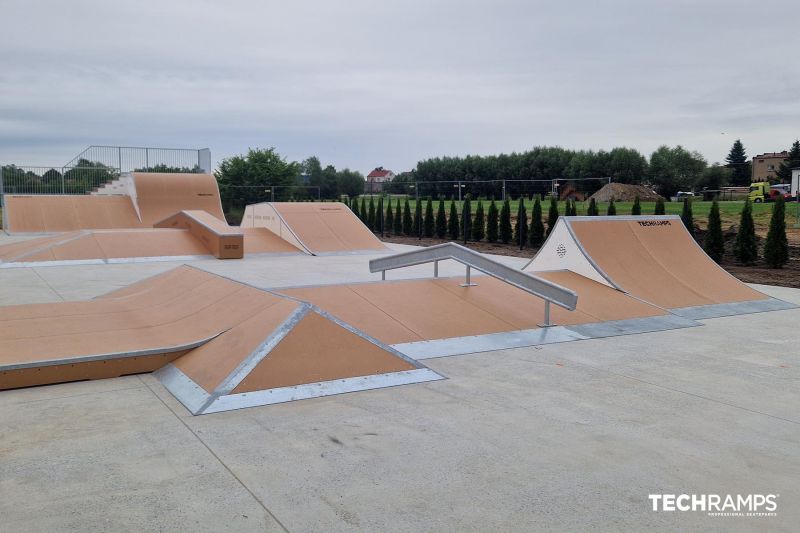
[2,188]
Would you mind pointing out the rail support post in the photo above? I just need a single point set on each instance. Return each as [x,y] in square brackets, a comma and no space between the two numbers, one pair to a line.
[546,323]
[467,281]
[436,269]
[383,275]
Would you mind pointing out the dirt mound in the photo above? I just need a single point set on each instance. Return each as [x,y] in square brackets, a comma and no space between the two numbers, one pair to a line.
[622,192]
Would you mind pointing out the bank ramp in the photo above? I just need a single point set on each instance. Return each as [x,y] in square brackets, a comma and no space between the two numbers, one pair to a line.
[652,258]
[316,227]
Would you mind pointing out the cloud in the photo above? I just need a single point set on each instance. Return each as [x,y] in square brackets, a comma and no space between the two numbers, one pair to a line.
[363,83]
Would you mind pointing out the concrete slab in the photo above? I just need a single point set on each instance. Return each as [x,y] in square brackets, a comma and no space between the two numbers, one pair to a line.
[570,436]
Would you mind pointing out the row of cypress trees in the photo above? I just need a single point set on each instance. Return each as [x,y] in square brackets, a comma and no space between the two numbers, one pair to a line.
[495,226]
[745,247]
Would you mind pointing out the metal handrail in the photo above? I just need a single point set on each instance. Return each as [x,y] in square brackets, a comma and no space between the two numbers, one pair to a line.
[548,291]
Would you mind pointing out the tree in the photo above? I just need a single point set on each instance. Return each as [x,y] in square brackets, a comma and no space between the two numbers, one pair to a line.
[243,178]
[416,228]
[428,225]
[408,224]
[371,214]
[714,177]
[397,225]
[521,227]
[389,216]
[466,218]
[739,165]
[479,224]
[637,207]
[745,248]
[492,220]
[675,169]
[784,172]
[349,182]
[354,207]
[505,222]
[659,209]
[441,220]
[592,209]
[714,243]
[452,222]
[686,216]
[552,215]
[536,234]
[317,177]
[612,209]
[776,248]
[380,220]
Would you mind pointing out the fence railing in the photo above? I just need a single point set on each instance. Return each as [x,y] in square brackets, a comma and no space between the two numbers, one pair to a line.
[146,159]
[54,180]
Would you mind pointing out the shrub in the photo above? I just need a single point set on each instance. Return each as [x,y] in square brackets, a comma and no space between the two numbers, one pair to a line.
[521,227]
[479,224]
[354,207]
[745,249]
[441,220]
[714,244]
[686,216]
[637,207]
[505,222]
[427,227]
[389,220]
[492,220]
[659,210]
[552,215]
[452,222]
[364,213]
[536,233]
[371,214]
[592,209]
[397,225]
[417,221]
[612,209]
[776,248]
[408,224]
[466,218]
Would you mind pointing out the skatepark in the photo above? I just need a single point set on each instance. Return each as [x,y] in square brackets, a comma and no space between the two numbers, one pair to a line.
[245,366]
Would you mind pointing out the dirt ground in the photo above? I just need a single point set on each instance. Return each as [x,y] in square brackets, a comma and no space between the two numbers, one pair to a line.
[788,276]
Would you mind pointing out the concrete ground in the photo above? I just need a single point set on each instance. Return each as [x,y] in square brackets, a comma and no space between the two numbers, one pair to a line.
[563,437]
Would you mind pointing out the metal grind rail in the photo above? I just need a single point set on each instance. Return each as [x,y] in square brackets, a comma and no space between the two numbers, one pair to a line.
[546,290]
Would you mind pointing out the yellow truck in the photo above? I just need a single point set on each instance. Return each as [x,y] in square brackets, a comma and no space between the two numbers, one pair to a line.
[762,191]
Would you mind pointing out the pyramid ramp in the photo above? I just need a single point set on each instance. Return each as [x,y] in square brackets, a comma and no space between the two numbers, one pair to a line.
[289,352]
[652,258]
[318,228]
[223,241]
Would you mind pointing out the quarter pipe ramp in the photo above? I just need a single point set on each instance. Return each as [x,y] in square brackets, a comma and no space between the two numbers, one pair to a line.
[316,227]
[652,258]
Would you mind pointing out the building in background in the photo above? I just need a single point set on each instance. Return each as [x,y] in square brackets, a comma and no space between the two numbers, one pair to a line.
[765,166]
[377,178]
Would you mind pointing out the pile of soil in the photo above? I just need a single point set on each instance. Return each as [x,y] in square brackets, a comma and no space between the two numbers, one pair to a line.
[622,192]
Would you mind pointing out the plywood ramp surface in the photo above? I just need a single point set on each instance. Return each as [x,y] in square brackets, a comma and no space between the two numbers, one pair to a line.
[160,195]
[59,213]
[658,261]
[317,227]
[105,244]
[413,310]
[155,317]
[262,240]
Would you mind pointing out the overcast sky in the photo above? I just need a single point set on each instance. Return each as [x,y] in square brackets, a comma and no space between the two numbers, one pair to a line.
[367,83]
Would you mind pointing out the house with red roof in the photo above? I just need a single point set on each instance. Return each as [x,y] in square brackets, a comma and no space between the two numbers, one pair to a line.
[377,178]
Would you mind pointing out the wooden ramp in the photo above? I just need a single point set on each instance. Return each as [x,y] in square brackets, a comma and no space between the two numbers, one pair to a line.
[221,239]
[316,227]
[149,198]
[652,258]
[243,346]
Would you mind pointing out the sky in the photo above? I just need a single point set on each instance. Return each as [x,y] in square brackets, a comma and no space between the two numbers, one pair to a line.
[364,83]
